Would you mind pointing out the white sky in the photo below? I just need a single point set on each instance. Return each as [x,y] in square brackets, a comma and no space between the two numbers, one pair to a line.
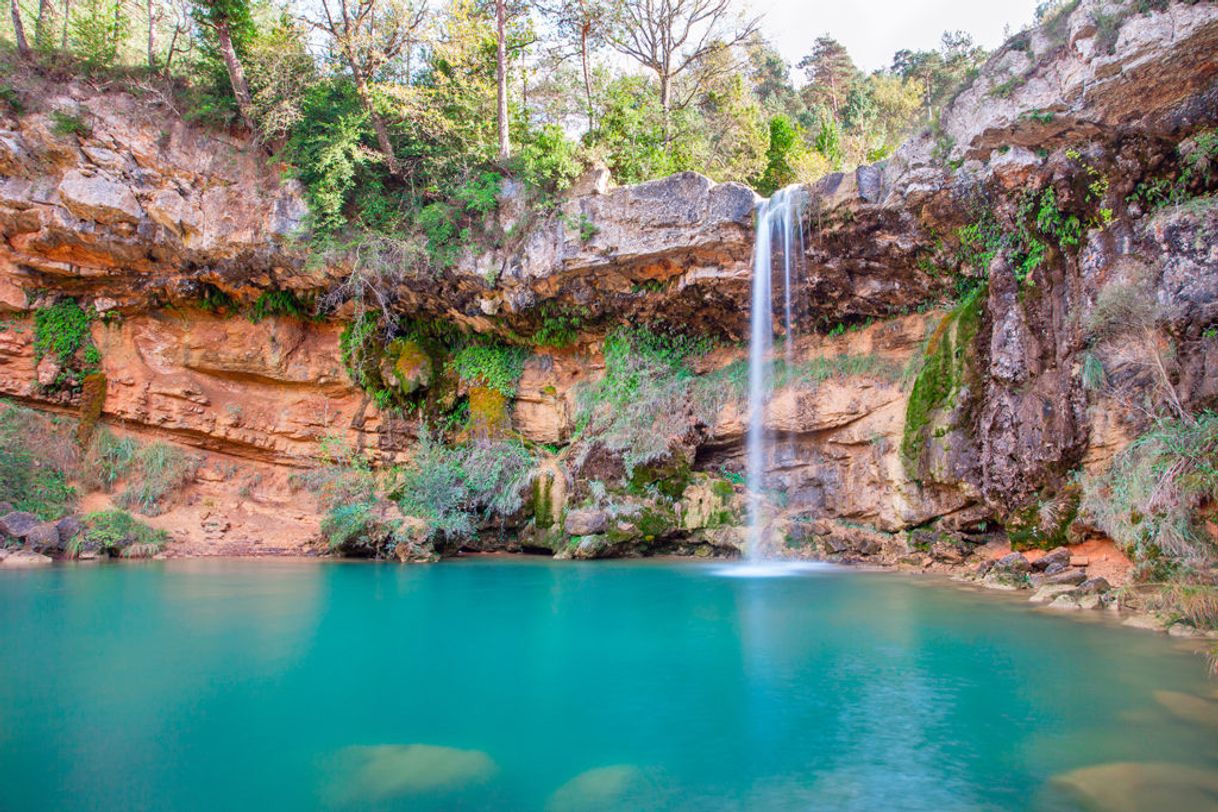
[873,30]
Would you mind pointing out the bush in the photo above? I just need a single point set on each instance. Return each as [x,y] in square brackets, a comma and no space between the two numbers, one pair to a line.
[107,460]
[645,400]
[62,332]
[117,532]
[495,366]
[454,489]
[157,472]
[37,456]
[1150,501]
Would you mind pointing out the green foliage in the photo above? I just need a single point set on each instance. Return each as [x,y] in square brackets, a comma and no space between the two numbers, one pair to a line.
[98,30]
[641,404]
[157,472]
[560,325]
[496,366]
[1045,523]
[108,459]
[11,99]
[62,332]
[329,151]
[1197,172]
[214,300]
[37,456]
[67,124]
[547,159]
[361,346]
[278,303]
[780,171]
[945,373]
[453,490]
[1152,497]
[117,532]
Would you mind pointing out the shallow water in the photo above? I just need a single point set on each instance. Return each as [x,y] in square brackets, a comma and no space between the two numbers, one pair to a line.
[528,684]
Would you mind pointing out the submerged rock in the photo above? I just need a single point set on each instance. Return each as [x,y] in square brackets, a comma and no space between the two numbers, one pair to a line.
[1136,787]
[372,775]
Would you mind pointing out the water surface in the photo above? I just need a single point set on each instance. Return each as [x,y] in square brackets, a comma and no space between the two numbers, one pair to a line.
[529,684]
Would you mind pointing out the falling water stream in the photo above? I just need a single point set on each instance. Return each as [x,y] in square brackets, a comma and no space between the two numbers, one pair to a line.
[778,244]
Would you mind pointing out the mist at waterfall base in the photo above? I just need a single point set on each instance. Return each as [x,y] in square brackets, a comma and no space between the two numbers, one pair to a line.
[778,253]
[530,684]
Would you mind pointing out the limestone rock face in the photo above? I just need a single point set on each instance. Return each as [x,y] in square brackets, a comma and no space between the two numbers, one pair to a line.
[144,219]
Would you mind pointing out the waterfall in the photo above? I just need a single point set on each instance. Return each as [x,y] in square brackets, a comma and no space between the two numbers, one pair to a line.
[779,240]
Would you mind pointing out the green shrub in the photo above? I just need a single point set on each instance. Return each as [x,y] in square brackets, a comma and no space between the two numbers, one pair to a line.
[278,303]
[642,404]
[117,532]
[1150,500]
[454,489]
[157,472]
[495,366]
[62,331]
[37,457]
[66,124]
[108,459]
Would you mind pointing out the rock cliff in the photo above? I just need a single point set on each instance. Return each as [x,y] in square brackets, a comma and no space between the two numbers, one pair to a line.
[912,407]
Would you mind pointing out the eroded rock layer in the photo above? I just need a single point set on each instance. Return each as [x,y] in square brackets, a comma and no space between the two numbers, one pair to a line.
[922,411]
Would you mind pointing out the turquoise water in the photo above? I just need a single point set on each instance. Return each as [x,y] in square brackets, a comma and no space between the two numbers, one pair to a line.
[529,684]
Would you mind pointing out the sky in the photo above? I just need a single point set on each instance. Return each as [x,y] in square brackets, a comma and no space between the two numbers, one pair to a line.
[873,30]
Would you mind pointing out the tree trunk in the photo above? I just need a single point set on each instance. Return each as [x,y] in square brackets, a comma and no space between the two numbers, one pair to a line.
[666,104]
[44,26]
[583,56]
[236,75]
[505,147]
[67,15]
[151,36]
[23,45]
[378,124]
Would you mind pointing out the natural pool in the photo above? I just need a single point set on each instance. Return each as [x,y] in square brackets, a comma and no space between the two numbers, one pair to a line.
[527,684]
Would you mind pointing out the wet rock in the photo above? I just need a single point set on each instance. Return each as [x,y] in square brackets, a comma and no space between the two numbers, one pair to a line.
[1073,577]
[1093,586]
[1059,556]
[1066,600]
[26,558]
[587,522]
[1148,622]
[1090,601]
[1046,594]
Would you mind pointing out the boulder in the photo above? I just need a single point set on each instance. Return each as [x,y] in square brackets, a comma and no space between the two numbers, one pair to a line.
[18,523]
[1014,562]
[586,522]
[43,536]
[1073,577]
[1046,594]
[26,558]
[1093,586]
[1059,556]
[69,527]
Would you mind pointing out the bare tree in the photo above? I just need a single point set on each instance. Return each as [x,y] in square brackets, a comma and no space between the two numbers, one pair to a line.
[668,36]
[369,34]
[23,45]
